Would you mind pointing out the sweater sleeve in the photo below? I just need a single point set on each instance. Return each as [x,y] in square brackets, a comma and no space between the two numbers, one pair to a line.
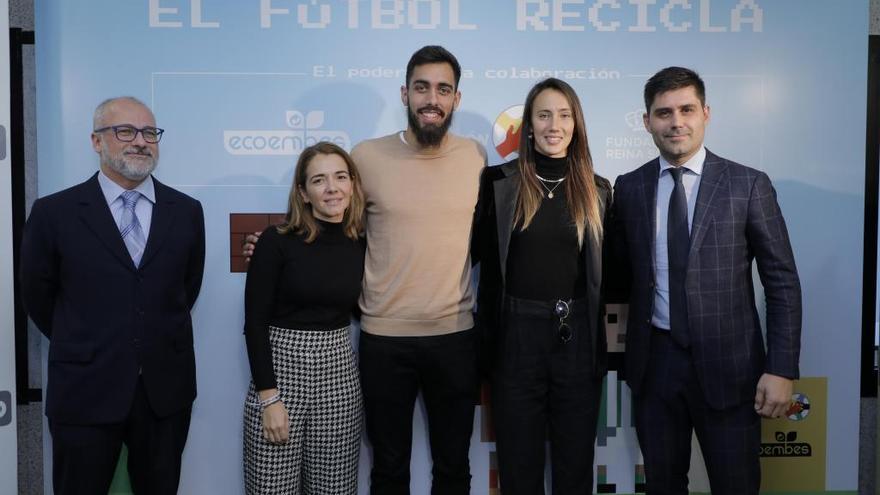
[259,297]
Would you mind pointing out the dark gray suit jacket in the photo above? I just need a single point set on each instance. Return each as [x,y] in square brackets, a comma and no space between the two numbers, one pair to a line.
[736,220]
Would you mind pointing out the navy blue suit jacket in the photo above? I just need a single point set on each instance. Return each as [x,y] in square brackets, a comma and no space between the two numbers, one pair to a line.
[108,321]
[736,220]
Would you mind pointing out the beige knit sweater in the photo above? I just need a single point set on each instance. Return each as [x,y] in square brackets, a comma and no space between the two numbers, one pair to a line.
[420,204]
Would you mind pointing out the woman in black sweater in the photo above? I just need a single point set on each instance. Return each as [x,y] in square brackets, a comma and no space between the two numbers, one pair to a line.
[302,419]
[538,236]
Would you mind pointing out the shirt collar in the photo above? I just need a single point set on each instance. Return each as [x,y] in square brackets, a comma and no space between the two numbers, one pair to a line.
[112,190]
[695,164]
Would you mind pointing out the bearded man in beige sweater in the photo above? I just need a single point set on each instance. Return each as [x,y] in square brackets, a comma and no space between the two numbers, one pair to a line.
[416,326]
[417,333]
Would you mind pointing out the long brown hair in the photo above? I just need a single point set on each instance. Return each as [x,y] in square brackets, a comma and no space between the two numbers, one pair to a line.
[299,218]
[580,187]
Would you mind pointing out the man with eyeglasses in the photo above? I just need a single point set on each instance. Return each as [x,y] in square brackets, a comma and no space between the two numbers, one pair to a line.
[110,270]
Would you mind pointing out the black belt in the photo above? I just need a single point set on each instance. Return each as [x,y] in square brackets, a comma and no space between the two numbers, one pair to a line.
[661,331]
[542,308]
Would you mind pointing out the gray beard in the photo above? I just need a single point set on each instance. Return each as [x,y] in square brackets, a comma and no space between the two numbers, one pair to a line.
[121,166]
[130,172]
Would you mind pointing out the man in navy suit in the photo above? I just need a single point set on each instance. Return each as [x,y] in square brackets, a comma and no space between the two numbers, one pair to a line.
[686,228]
[110,270]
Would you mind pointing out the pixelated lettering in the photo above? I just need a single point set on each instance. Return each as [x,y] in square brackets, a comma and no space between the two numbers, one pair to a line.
[415,13]
[593,14]
[156,11]
[387,17]
[737,19]
[195,16]
[666,17]
[642,16]
[302,15]
[266,13]
[525,20]
[455,23]
[559,16]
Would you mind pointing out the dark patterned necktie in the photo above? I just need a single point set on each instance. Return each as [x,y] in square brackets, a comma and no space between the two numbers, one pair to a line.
[678,244]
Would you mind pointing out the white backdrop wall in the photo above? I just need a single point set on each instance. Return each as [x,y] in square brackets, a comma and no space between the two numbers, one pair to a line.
[785,81]
[8,431]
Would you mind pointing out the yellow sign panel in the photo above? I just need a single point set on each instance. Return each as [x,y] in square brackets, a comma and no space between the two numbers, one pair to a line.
[793,447]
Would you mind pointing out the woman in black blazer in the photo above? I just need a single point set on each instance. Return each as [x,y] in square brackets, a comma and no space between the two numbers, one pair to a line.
[538,238]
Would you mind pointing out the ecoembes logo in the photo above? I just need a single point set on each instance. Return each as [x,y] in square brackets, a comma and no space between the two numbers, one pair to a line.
[786,445]
[302,131]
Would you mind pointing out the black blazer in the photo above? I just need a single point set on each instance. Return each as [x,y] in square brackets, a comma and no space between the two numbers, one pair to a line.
[493,226]
[736,220]
[107,321]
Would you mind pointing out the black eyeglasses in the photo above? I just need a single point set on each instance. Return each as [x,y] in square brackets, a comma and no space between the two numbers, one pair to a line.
[128,133]
[562,310]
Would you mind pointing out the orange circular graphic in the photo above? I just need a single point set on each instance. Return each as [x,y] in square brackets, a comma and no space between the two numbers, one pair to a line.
[505,132]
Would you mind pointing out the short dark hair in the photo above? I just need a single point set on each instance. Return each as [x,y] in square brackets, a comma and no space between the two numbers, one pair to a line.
[672,78]
[433,54]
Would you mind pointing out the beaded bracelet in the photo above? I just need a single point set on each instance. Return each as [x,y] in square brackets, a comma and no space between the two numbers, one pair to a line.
[271,400]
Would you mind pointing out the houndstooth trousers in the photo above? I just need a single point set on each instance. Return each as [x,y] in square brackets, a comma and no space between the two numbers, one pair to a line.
[318,380]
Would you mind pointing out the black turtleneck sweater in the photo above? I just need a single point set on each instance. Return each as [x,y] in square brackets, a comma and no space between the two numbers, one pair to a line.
[544,261]
[291,284]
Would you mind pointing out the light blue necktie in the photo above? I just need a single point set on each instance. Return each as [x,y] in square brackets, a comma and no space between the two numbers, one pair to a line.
[130,227]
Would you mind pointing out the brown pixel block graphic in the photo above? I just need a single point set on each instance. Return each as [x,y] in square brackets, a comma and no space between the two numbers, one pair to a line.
[242,224]
[494,484]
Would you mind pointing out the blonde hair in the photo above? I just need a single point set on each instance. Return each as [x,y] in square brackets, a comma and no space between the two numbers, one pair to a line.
[299,218]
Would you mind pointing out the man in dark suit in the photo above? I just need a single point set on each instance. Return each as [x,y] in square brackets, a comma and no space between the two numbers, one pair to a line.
[110,270]
[686,228]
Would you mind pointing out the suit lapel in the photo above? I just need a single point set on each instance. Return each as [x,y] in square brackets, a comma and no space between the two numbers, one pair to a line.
[505,205]
[650,177]
[96,215]
[160,225]
[713,177]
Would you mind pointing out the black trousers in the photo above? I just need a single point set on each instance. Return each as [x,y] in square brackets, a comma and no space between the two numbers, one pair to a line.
[393,370]
[84,457]
[542,385]
[671,407]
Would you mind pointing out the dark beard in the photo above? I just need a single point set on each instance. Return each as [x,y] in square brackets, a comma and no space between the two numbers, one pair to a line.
[431,135]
